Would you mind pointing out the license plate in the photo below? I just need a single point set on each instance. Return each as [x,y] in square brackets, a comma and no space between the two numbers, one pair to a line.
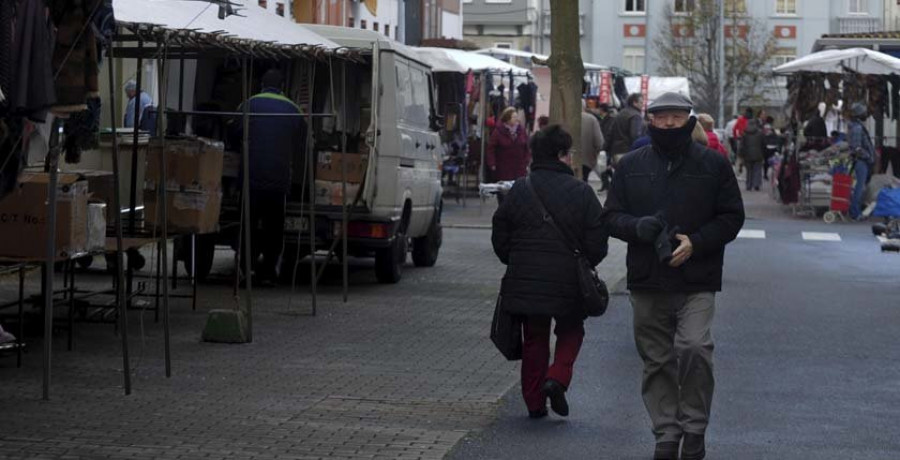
[296,224]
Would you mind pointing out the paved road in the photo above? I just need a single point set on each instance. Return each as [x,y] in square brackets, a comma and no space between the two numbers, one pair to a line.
[807,361]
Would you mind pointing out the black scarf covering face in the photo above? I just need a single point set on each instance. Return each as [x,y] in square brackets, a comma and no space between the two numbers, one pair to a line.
[673,143]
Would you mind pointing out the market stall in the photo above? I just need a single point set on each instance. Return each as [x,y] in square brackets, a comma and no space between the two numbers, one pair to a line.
[813,175]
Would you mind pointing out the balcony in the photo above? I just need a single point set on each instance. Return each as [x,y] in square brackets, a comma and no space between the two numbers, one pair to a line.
[857,25]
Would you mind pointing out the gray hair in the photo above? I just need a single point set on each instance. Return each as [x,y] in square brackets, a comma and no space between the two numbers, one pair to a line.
[130,85]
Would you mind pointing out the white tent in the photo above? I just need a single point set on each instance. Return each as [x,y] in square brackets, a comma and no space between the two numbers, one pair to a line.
[861,60]
[256,24]
[528,55]
[659,86]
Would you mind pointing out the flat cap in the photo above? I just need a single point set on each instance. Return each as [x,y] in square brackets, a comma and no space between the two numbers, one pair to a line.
[671,101]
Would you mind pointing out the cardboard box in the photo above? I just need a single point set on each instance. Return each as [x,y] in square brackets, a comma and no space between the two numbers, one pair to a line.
[328,167]
[188,211]
[24,212]
[102,186]
[329,193]
[192,164]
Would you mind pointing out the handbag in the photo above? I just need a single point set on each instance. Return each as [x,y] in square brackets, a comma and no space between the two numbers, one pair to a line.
[506,332]
[593,291]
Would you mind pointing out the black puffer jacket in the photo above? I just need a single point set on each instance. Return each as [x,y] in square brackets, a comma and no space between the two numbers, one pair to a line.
[541,272]
[753,144]
[697,193]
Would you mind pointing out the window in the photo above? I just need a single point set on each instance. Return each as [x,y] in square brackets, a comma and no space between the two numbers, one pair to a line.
[362,24]
[413,99]
[387,30]
[735,7]
[858,7]
[782,56]
[375,26]
[786,7]
[351,23]
[633,59]
[635,6]
[279,9]
[684,6]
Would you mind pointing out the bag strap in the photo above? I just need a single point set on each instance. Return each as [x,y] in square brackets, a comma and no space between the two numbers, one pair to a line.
[549,218]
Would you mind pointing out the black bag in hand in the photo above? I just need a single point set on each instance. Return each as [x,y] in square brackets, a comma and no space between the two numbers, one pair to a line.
[506,332]
[594,293]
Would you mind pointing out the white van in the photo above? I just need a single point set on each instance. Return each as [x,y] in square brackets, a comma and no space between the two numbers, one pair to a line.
[397,208]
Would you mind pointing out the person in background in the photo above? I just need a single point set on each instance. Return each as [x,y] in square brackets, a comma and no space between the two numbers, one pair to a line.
[837,137]
[626,128]
[274,142]
[753,153]
[543,121]
[131,93]
[699,135]
[739,127]
[706,121]
[541,282]
[591,143]
[815,132]
[863,153]
[773,144]
[508,156]
[606,115]
[730,139]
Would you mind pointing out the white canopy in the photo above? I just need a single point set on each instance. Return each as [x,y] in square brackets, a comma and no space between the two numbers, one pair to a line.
[454,60]
[256,24]
[527,55]
[861,60]
[659,86]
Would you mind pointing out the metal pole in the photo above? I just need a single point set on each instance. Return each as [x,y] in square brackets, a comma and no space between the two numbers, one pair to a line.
[485,107]
[21,338]
[344,218]
[117,203]
[52,162]
[734,80]
[647,37]
[313,279]
[163,207]
[720,39]
[134,148]
[248,264]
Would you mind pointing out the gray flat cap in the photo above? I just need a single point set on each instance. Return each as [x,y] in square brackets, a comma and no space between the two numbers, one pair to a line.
[671,101]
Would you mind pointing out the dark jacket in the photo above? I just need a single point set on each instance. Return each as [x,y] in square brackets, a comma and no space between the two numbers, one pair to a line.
[626,128]
[508,153]
[753,144]
[699,194]
[274,141]
[541,276]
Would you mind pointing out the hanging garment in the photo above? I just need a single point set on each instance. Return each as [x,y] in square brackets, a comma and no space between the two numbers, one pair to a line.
[878,96]
[82,131]
[7,14]
[103,24]
[30,90]
[75,56]
[12,148]
[894,80]
[620,89]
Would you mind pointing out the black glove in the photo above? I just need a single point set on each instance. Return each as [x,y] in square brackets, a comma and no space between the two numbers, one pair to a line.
[648,228]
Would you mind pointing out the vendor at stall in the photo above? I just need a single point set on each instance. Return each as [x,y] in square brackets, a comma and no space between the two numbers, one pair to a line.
[273,143]
[131,93]
[863,152]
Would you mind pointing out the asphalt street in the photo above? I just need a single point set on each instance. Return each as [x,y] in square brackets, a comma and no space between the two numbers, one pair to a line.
[807,361]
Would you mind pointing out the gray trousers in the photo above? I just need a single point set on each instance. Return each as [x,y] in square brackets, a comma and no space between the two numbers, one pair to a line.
[672,334]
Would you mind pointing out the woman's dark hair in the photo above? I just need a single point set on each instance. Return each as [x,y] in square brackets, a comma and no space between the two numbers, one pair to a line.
[543,121]
[633,98]
[550,143]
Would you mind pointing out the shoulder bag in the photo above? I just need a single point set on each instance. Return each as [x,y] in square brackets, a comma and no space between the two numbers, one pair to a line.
[594,293]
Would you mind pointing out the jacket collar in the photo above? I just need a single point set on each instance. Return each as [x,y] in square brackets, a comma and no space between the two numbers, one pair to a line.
[551,165]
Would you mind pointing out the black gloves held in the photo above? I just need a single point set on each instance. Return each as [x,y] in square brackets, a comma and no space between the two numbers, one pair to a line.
[648,228]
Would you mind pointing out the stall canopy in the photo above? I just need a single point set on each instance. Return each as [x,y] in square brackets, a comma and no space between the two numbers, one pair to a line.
[859,60]
[659,85]
[526,55]
[453,60]
[251,22]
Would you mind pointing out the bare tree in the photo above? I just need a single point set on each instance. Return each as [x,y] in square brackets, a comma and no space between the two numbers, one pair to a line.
[566,72]
[688,47]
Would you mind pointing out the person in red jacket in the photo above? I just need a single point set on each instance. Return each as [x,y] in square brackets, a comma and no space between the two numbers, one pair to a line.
[738,133]
[508,155]
[707,122]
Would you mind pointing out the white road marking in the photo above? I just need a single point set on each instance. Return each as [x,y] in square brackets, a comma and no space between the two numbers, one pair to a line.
[816,236]
[752,234]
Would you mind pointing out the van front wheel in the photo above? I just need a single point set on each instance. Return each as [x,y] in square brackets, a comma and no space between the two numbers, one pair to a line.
[388,261]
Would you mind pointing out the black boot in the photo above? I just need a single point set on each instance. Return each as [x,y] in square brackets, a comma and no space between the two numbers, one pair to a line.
[557,394]
[694,447]
[666,451]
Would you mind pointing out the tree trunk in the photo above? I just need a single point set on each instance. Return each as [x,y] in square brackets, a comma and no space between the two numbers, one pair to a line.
[566,73]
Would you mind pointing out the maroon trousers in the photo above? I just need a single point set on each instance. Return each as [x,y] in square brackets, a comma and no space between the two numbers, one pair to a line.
[536,356]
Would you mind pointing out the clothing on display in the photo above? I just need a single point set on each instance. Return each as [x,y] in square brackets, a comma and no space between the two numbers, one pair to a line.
[30,89]
[620,90]
[82,131]
[75,62]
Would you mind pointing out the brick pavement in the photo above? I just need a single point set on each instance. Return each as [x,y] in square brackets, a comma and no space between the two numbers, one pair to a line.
[399,372]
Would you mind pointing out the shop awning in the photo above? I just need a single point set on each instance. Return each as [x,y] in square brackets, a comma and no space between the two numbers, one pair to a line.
[454,60]
[527,55]
[251,22]
[860,60]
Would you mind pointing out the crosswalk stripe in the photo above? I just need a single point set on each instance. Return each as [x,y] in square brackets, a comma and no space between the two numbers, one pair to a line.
[752,234]
[816,236]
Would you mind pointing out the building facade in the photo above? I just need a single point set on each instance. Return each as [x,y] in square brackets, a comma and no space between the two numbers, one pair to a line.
[407,21]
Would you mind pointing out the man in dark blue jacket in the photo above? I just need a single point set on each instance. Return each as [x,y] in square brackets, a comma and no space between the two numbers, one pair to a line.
[274,142]
[678,183]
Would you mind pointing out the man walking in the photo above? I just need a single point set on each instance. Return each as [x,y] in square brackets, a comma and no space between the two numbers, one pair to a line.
[626,128]
[863,156]
[274,141]
[606,116]
[675,192]
[591,143]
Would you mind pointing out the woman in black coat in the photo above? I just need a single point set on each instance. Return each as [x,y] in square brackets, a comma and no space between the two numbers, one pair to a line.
[540,282]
